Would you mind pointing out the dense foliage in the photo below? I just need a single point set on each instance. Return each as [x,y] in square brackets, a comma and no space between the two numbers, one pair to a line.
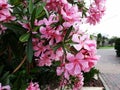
[117,46]
[42,44]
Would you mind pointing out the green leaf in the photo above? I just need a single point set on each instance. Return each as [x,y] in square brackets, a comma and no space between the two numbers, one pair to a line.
[46,12]
[29,50]
[30,6]
[16,28]
[41,15]
[57,46]
[15,2]
[35,29]
[68,33]
[1,69]
[4,77]
[33,17]
[39,10]
[42,12]
[24,37]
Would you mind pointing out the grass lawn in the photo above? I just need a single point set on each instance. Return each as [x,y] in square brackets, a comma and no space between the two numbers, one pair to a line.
[106,47]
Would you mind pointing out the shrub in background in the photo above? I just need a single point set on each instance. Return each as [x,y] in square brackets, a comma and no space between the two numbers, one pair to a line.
[117,47]
[42,44]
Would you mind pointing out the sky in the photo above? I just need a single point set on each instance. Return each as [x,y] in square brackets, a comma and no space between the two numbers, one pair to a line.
[110,23]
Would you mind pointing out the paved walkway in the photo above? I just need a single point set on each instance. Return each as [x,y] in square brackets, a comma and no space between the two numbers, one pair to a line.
[109,66]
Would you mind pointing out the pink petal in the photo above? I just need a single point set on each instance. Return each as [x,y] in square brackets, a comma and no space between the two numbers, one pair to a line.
[66,24]
[80,56]
[77,69]
[59,71]
[7,87]
[37,53]
[75,38]
[69,66]
[84,64]
[86,47]
[42,30]
[66,75]
[70,57]
[78,47]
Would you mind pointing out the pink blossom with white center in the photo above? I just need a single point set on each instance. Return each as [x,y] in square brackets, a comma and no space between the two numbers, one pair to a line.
[76,63]
[7,87]
[83,42]
[70,14]
[33,86]
[2,29]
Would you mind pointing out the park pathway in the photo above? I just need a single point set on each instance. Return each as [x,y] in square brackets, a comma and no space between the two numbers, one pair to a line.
[109,66]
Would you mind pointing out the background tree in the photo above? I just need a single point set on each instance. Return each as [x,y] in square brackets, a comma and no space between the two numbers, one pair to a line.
[112,40]
[99,39]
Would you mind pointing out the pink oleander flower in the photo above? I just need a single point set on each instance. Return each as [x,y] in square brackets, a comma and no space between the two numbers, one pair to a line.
[4,4]
[7,87]
[70,14]
[83,42]
[76,63]
[5,10]
[92,61]
[63,82]
[96,11]
[33,86]
[79,83]
[39,49]
[45,59]
[62,70]
[2,29]
[51,34]
[58,54]
[51,4]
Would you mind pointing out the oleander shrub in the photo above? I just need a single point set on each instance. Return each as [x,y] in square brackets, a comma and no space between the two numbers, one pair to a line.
[42,44]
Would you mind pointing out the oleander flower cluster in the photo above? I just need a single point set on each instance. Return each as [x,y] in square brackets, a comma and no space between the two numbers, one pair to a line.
[5,14]
[57,36]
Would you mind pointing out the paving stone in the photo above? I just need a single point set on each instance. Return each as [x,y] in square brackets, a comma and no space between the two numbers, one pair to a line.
[109,66]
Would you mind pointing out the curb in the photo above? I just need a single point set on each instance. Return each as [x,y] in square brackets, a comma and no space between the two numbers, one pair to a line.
[104,83]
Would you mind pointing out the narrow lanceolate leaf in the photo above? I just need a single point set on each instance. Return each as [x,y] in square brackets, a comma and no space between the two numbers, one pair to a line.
[15,28]
[30,6]
[46,12]
[33,17]
[24,37]
[68,33]
[39,10]
[29,50]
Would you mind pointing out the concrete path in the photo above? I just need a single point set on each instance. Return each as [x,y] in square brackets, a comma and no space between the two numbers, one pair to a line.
[109,66]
